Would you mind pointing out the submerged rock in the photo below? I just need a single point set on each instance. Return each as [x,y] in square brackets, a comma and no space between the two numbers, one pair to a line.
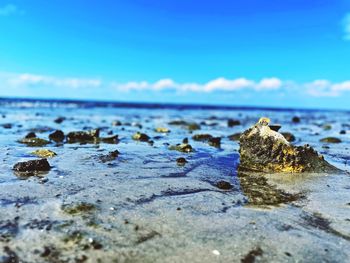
[44,153]
[224,185]
[296,119]
[331,140]
[41,165]
[111,156]
[59,120]
[83,136]
[183,147]
[265,150]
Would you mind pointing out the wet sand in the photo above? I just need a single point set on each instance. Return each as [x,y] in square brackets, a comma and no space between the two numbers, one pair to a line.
[144,206]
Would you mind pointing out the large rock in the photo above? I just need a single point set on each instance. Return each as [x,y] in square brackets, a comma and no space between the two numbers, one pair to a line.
[265,150]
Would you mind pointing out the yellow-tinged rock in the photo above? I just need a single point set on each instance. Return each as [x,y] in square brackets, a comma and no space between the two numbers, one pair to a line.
[265,150]
[162,130]
[44,153]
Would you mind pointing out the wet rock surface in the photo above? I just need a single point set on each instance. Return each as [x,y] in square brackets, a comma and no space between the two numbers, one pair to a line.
[263,149]
[141,206]
[41,165]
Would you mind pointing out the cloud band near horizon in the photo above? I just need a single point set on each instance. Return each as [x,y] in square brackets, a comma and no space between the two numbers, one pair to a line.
[316,88]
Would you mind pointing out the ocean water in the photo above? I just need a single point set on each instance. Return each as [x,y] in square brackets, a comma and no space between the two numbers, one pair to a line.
[144,207]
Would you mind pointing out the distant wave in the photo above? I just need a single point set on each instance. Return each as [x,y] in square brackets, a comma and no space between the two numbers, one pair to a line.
[65,103]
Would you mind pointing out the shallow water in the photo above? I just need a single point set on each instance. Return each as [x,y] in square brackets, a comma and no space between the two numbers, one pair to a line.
[143,207]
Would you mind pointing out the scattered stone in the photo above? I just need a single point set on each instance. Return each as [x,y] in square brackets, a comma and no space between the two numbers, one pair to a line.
[342,132]
[59,120]
[296,119]
[327,127]
[232,122]
[6,125]
[183,147]
[91,136]
[235,136]
[215,142]
[44,153]
[265,150]
[185,140]
[181,161]
[111,156]
[224,185]
[34,141]
[79,208]
[116,123]
[202,137]
[289,136]
[142,137]
[41,165]
[30,135]
[191,126]
[330,140]
[162,130]
[111,139]
[57,136]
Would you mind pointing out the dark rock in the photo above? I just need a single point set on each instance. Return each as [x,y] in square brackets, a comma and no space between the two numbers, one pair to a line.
[142,137]
[185,140]
[330,140]
[235,136]
[232,123]
[289,136]
[111,139]
[7,125]
[264,150]
[91,136]
[342,132]
[275,127]
[215,142]
[59,120]
[111,156]
[181,161]
[30,135]
[296,119]
[41,165]
[186,148]
[116,123]
[57,136]
[191,126]
[223,185]
[202,137]
[34,141]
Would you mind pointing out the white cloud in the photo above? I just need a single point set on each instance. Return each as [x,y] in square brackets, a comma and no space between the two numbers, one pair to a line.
[31,80]
[219,84]
[346,25]
[325,88]
[9,9]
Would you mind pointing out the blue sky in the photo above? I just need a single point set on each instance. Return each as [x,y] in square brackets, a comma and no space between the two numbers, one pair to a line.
[291,53]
